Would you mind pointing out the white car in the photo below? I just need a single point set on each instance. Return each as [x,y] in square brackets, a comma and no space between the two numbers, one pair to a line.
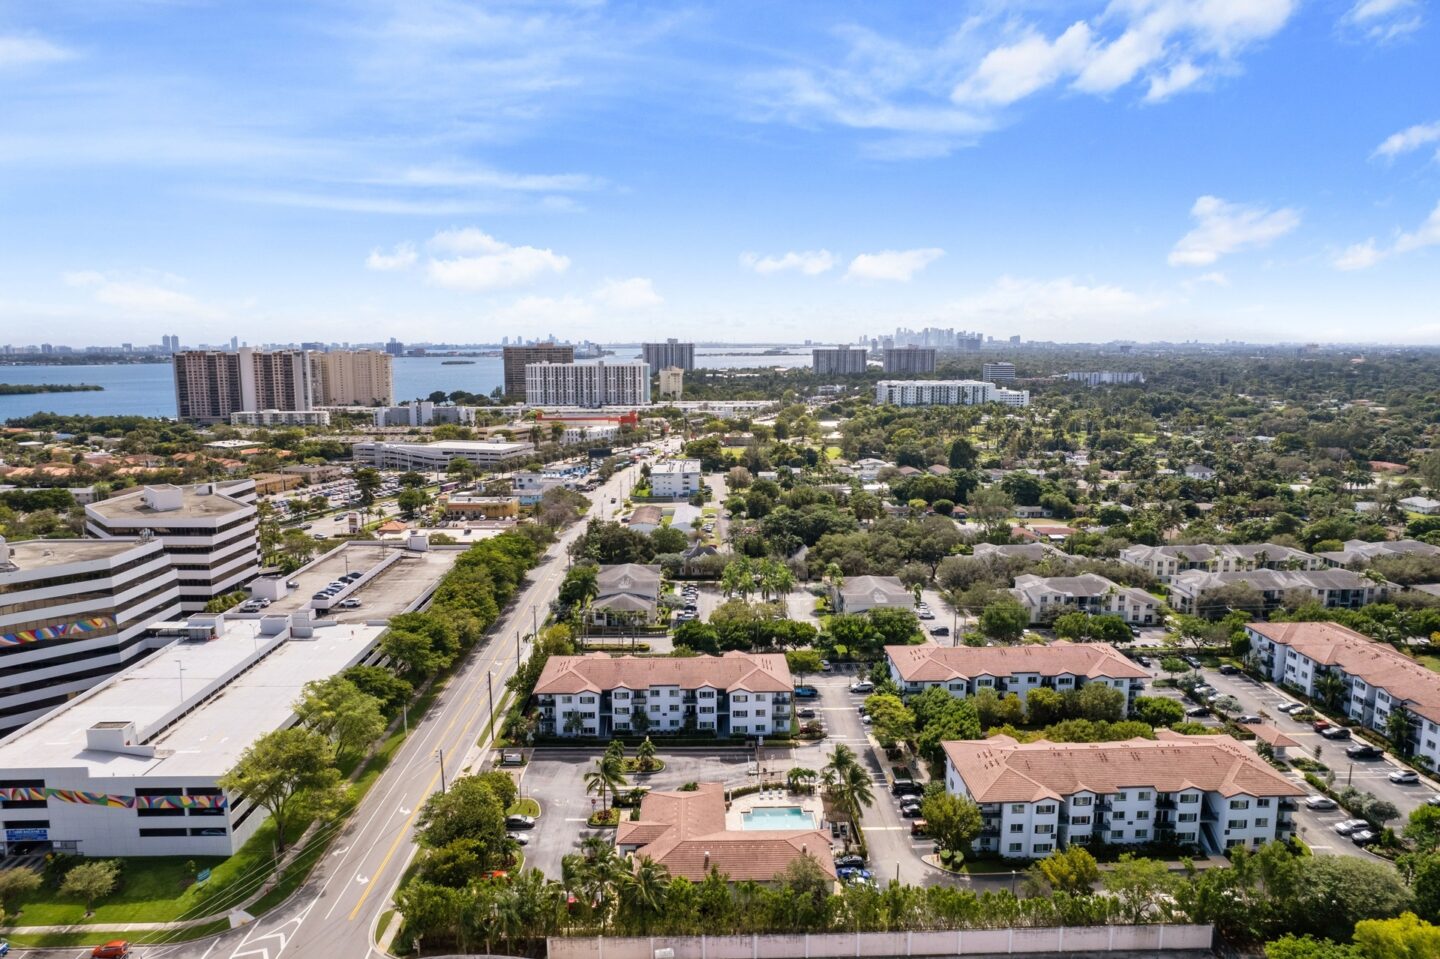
[1350,825]
[1404,777]
[1319,802]
[864,686]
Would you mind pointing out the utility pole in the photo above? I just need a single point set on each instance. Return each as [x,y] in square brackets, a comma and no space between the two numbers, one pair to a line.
[440,754]
[490,688]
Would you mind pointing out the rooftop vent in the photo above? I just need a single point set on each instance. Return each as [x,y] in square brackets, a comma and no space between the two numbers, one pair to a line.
[163,499]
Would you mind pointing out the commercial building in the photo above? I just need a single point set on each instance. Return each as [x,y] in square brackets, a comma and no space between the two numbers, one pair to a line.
[965,670]
[676,478]
[463,507]
[1105,377]
[1331,588]
[209,531]
[436,457]
[1370,680]
[588,385]
[72,612]
[946,393]
[1048,597]
[212,384]
[132,766]
[860,594]
[690,834]
[998,372]
[672,383]
[280,418]
[268,484]
[313,473]
[1211,792]
[911,360]
[1166,562]
[516,358]
[670,353]
[838,361]
[353,378]
[737,694]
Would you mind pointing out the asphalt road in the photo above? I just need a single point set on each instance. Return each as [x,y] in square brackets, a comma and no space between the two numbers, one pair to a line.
[336,912]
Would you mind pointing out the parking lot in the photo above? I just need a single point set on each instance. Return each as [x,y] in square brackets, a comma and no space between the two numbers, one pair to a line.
[382,597]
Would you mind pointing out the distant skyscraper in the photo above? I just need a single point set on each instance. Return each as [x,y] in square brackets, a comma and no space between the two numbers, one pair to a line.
[353,378]
[998,372]
[516,358]
[839,361]
[909,359]
[212,384]
[234,342]
[395,347]
[588,384]
[670,353]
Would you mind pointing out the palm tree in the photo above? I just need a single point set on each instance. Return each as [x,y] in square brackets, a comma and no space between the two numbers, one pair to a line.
[608,775]
[645,753]
[1398,727]
[799,778]
[1329,688]
[642,894]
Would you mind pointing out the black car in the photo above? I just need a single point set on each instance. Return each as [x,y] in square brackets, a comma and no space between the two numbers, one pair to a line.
[851,861]
[1363,751]
[1336,732]
[940,631]
[906,787]
[910,812]
[519,822]
[805,712]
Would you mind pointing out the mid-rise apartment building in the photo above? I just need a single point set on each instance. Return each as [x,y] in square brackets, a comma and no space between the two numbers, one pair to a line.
[1351,673]
[838,361]
[588,385]
[965,670]
[1358,552]
[998,372]
[1331,588]
[516,358]
[1166,562]
[1047,597]
[212,384]
[672,383]
[1210,792]
[1105,377]
[353,378]
[676,478]
[911,360]
[280,418]
[946,393]
[208,531]
[436,457]
[737,694]
[72,613]
[670,353]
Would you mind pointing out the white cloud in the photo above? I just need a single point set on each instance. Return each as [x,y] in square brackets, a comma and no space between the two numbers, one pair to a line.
[1359,256]
[1181,76]
[1427,235]
[1009,73]
[547,311]
[1215,277]
[1411,138]
[1223,227]
[808,262]
[142,296]
[478,261]
[1382,20]
[897,265]
[465,176]
[402,257]
[17,51]
[1054,303]
[636,293]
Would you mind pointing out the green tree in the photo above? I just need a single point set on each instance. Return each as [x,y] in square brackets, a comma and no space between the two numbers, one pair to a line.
[289,774]
[91,881]
[15,882]
[1157,710]
[388,689]
[1099,703]
[1004,621]
[1138,885]
[367,481]
[1072,870]
[1423,828]
[954,821]
[1405,936]
[337,709]
[1044,706]
[803,662]
[1308,947]
[411,502]
[468,810]
[1399,727]
[646,755]
[890,719]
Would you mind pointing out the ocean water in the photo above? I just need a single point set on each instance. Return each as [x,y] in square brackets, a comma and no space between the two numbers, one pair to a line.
[148,389]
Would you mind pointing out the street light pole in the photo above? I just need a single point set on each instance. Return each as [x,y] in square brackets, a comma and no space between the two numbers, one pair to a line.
[490,688]
[440,754]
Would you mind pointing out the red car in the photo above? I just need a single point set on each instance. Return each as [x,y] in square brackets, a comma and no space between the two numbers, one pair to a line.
[114,949]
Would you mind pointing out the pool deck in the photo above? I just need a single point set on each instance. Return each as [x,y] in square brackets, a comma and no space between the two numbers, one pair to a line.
[775,798]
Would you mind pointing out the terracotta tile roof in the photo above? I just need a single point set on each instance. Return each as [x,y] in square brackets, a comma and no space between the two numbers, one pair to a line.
[1000,769]
[685,832]
[931,663]
[596,672]
[1331,644]
[1272,735]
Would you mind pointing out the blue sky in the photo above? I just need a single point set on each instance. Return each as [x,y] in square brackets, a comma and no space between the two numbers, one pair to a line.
[1150,169]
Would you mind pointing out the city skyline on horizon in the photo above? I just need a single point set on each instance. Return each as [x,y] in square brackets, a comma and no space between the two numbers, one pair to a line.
[1146,170]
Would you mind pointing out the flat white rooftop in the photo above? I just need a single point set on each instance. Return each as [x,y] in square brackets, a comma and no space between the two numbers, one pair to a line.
[207,740]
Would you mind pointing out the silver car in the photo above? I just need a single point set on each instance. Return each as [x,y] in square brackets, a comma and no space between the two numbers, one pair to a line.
[1350,825]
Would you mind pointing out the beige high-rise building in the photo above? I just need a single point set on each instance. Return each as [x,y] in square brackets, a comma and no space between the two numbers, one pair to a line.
[353,378]
[672,382]
[212,384]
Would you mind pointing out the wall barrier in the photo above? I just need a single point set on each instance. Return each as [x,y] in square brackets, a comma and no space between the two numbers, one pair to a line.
[1069,941]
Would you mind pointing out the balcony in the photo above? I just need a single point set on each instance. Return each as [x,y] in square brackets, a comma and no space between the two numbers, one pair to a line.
[1287,803]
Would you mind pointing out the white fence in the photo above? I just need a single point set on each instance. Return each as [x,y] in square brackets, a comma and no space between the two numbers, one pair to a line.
[1068,940]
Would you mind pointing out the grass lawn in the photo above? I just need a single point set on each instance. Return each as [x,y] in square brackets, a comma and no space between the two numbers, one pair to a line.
[832,452]
[151,889]
[524,807]
[1429,662]
[89,938]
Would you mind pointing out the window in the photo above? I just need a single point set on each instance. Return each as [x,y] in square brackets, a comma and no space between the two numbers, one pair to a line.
[1121,797]
[1046,809]
[1262,822]
[707,709]
[707,694]
[1143,814]
[759,713]
[1142,834]
[738,698]
[1262,803]
[1082,800]
[1187,817]
[1239,804]
[1017,827]
[158,833]
[1017,807]
[1043,847]
[27,824]
[1190,797]
[1237,824]
[1016,846]
[567,699]
[1080,821]
[1144,795]
[739,713]
[1044,830]
[587,699]
[621,694]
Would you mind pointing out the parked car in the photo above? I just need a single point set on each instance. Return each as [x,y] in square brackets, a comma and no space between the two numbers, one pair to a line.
[1289,708]
[910,812]
[351,603]
[1194,711]
[520,838]
[917,828]
[1193,661]
[1336,732]
[1350,825]
[925,614]
[1363,837]
[806,692]
[906,787]
[850,861]
[1404,777]
[940,631]
[1249,719]
[1433,800]
[863,686]
[805,712]
[824,665]
[519,822]
[114,949]
[1320,725]
[1228,670]
[1319,802]
[1363,751]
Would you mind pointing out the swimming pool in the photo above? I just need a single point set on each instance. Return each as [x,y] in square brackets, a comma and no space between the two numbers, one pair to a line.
[777,817]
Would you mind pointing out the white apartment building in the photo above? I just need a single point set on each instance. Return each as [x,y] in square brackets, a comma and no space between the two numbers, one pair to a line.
[1211,792]
[965,670]
[1105,377]
[72,613]
[131,767]
[737,694]
[1048,597]
[209,532]
[1166,562]
[280,418]
[1375,678]
[946,393]
[998,372]
[1359,551]
[677,478]
[436,457]
[353,378]
[588,385]
[1332,588]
